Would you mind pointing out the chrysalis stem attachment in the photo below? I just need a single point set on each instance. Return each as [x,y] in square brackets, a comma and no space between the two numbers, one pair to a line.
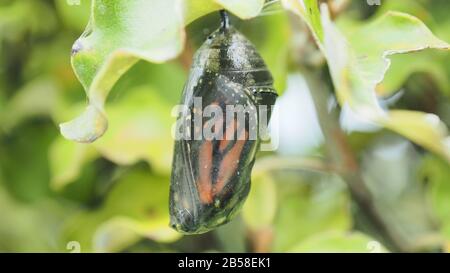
[224,19]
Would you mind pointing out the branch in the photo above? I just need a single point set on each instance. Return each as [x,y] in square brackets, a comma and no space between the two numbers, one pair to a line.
[343,158]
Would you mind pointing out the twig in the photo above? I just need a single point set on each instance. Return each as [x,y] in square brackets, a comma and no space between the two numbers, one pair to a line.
[342,156]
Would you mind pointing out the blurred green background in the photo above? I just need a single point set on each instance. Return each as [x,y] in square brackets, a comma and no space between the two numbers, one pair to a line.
[112,195]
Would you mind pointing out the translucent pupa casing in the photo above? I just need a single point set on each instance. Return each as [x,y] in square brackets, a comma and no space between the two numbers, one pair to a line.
[211,177]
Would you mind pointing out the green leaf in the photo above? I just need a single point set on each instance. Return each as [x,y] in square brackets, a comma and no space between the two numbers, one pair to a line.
[358,64]
[422,128]
[118,35]
[405,65]
[244,9]
[308,10]
[198,8]
[431,62]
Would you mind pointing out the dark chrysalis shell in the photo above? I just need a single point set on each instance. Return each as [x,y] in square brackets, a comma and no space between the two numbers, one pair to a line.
[211,177]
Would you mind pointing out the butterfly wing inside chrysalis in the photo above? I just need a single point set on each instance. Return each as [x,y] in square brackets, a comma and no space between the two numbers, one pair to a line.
[212,164]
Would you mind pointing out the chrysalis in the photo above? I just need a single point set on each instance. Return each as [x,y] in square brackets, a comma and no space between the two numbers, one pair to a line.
[228,83]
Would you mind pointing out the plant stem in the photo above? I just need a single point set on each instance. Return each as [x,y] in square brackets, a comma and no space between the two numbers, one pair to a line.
[343,158]
[225,20]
